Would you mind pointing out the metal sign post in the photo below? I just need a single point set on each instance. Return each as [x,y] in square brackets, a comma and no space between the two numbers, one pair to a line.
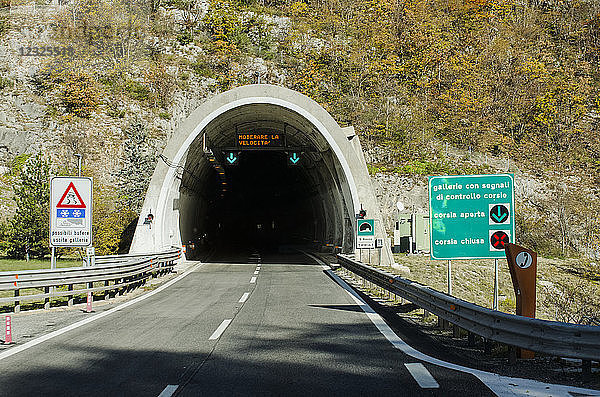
[449,277]
[495,306]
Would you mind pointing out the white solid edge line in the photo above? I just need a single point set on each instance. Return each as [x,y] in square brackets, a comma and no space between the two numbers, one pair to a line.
[499,384]
[168,391]
[244,297]
[422,375]
[252,280]
[53,334]
[219,331]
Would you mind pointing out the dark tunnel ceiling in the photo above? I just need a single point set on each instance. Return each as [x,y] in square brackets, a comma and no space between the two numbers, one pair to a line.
[221,133]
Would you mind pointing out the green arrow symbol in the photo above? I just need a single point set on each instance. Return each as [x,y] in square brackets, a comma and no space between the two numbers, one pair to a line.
[499,217]
[232,158]
[294,159]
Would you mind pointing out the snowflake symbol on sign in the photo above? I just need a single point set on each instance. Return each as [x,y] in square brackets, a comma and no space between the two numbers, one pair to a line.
[64,213]
[76,213]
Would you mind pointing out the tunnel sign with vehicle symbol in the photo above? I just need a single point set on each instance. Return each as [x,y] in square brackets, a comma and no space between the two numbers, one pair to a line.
[471,216]
[365,233]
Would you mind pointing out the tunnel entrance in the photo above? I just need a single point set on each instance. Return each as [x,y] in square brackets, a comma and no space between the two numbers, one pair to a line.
[257,177]
[212,190]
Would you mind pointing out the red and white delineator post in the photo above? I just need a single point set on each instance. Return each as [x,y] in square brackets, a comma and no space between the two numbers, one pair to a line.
[88,308]
[8,337]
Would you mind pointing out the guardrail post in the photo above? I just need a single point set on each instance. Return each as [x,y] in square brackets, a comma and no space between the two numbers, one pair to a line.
[70,297]
[471,339]
[455,331]
[106,293]
[586,370]
[512,355]
[487,346]
[47,299]
[17,303]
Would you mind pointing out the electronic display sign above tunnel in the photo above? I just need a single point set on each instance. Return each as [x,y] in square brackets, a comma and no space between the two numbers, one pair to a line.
[471,216]
[260,140]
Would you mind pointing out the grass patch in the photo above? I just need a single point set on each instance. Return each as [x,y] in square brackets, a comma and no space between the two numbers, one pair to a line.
[10,265]
[567,289]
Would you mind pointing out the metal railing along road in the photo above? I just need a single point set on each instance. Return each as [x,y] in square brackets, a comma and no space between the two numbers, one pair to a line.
[550,337]
[116,273]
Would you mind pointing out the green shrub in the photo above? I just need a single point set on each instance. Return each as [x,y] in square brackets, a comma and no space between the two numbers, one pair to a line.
[136,90]
[78,94]
[203,68]
[5,82]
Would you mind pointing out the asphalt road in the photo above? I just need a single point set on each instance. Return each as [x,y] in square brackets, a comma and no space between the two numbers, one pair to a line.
[277,325]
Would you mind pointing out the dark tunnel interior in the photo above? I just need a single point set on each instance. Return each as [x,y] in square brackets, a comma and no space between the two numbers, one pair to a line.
[266,203]
[262,203]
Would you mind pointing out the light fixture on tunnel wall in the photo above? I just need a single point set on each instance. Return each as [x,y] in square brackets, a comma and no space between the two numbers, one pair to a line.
[362,213]
[149,219]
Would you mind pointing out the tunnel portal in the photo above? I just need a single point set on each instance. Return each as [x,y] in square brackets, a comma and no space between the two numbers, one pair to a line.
[259,166]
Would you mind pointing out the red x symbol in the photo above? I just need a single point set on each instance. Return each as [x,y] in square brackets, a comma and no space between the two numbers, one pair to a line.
[499,239]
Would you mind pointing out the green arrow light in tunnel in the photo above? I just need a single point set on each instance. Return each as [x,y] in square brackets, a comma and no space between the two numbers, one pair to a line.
[232,158]
[294,158]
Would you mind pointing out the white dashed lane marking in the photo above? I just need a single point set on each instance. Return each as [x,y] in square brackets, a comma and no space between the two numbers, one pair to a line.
[244,297]
[168,391]
[422,376]
[219,331]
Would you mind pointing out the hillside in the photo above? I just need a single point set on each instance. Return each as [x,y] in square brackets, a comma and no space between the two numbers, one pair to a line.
[432,87]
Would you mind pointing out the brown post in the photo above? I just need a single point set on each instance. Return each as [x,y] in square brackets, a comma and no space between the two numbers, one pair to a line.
[522,263]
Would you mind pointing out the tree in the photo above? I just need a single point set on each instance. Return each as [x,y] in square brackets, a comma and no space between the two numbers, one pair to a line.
[27,234]
[139,160]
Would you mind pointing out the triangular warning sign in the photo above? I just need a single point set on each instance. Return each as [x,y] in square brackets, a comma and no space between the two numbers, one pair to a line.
[71,198]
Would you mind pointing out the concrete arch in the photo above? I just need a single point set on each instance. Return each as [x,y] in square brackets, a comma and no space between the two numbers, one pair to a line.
[338,159]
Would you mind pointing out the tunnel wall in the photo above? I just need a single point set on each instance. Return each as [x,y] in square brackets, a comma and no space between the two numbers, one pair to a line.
[165,200]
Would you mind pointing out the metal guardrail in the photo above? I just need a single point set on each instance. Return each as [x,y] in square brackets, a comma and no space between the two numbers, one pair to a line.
[124,271]
[550,337]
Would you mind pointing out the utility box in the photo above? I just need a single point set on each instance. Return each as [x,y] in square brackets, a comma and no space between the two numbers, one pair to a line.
[411,233]
[422,239]
[402,232]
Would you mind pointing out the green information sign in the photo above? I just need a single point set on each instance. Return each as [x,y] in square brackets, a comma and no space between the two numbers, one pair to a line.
[365,227]
[471,216]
